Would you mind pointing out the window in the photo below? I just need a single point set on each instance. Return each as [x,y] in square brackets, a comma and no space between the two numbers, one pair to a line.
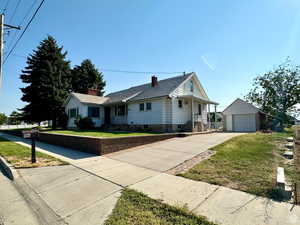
[191,86]
[180,103]
[120,110]
[142,107]
[93,111]
[200,109]
[73,113]
[148,106]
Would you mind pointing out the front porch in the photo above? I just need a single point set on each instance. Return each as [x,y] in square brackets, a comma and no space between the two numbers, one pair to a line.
[200,110]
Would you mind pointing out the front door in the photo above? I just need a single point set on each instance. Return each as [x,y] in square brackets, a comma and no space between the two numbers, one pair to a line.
[107,115]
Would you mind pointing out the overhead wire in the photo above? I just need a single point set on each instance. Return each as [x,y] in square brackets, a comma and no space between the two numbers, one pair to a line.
[25,29]
[14,12]
[20,24]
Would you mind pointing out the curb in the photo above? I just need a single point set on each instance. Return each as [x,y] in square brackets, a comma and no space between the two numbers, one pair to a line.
[8,168]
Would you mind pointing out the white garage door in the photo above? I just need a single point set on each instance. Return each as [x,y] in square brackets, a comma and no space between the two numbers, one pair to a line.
[244,123]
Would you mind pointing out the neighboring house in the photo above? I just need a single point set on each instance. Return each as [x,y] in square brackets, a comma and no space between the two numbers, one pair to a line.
[241,116]
[174,104]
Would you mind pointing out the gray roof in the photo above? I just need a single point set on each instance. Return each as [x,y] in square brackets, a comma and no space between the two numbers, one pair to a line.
[145,91]
[89,99]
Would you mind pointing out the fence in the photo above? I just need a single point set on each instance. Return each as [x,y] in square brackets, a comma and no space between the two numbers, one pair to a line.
[21,126]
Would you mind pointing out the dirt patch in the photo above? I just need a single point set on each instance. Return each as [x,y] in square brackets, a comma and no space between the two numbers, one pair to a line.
[188,164]
[26,162]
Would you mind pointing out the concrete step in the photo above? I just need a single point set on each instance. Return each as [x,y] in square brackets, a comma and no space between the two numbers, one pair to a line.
[290,139]
[288,154]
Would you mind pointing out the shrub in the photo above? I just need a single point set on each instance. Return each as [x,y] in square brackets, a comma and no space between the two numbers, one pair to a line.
[84,123]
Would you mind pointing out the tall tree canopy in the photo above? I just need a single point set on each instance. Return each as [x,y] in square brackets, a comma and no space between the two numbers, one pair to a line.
[15,118]
[3,118]
[48,77]
[278,91]
[85,76]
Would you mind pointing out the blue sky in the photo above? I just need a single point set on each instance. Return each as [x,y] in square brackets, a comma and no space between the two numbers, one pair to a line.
[227,43]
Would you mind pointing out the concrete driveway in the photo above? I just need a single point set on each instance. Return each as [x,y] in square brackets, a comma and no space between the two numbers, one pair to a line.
[166,155]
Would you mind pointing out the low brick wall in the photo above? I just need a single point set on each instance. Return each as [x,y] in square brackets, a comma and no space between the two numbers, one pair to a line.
[81,143]
[109,145]
[99,146]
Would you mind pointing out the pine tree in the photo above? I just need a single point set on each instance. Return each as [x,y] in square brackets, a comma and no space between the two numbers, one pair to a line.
[85,76]
[48,77]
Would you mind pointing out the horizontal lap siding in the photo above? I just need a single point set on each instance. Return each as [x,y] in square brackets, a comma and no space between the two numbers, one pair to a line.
[153,116]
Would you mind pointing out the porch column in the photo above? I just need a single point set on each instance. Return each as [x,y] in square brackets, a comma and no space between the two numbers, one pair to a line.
[192,114]
[215,126]
[208,105]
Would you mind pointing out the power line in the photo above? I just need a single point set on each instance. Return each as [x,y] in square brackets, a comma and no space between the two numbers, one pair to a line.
[130,71]
[20,24]
[33,16]
[14,12]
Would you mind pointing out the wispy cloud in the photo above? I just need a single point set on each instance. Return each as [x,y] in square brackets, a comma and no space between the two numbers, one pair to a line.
[205,61]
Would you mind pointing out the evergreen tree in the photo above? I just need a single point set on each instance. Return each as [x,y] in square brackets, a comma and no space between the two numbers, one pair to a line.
[48,77]
[85,76]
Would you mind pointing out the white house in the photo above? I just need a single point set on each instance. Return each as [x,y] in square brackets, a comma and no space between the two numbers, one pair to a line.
[241,116]
[173,104]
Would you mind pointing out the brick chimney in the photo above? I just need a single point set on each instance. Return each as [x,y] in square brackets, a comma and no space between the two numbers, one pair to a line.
[154,81]
[92,92]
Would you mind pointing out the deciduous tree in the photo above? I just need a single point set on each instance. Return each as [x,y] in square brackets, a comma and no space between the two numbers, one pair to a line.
[278,91]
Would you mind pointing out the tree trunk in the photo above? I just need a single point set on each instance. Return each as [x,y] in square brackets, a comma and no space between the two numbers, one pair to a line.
[54,122]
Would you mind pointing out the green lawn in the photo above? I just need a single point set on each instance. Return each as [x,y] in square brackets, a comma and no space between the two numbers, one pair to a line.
[20,156]
[246,163]
[134,208]
[97,133]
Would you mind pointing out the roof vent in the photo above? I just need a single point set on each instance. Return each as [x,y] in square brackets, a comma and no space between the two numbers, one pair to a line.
[154,81]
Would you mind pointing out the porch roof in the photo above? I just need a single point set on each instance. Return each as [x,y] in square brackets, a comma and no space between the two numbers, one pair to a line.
[198,98]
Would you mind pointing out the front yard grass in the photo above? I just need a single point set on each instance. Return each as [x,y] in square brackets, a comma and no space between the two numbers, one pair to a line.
[97,133]
[247,163]
[20,156]
[135,208]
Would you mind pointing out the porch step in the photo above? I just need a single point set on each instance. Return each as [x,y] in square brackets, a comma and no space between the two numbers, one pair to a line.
[289,145]
[288,154]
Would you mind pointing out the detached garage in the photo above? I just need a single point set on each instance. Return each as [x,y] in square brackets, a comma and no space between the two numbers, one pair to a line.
[241,116]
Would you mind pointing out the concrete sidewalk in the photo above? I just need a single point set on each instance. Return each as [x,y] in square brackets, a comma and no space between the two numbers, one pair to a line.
[13,207]
[219,204]
[77,197]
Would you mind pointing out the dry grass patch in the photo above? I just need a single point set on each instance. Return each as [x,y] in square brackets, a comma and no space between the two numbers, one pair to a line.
[20,156]
[135,208]
[246,163]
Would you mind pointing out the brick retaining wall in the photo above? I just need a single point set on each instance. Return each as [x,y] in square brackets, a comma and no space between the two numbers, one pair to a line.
[96,145]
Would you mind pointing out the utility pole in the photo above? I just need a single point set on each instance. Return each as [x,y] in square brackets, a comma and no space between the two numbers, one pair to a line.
[2,25]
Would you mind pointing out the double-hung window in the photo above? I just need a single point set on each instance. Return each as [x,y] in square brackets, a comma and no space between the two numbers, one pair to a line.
[148,106]
[73,112]
[93,112]
[142,107]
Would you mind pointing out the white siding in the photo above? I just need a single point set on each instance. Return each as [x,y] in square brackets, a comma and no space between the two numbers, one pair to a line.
[228,120]
[181,115]
[153,116]
[74,103]
[167,111]
[83,112]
